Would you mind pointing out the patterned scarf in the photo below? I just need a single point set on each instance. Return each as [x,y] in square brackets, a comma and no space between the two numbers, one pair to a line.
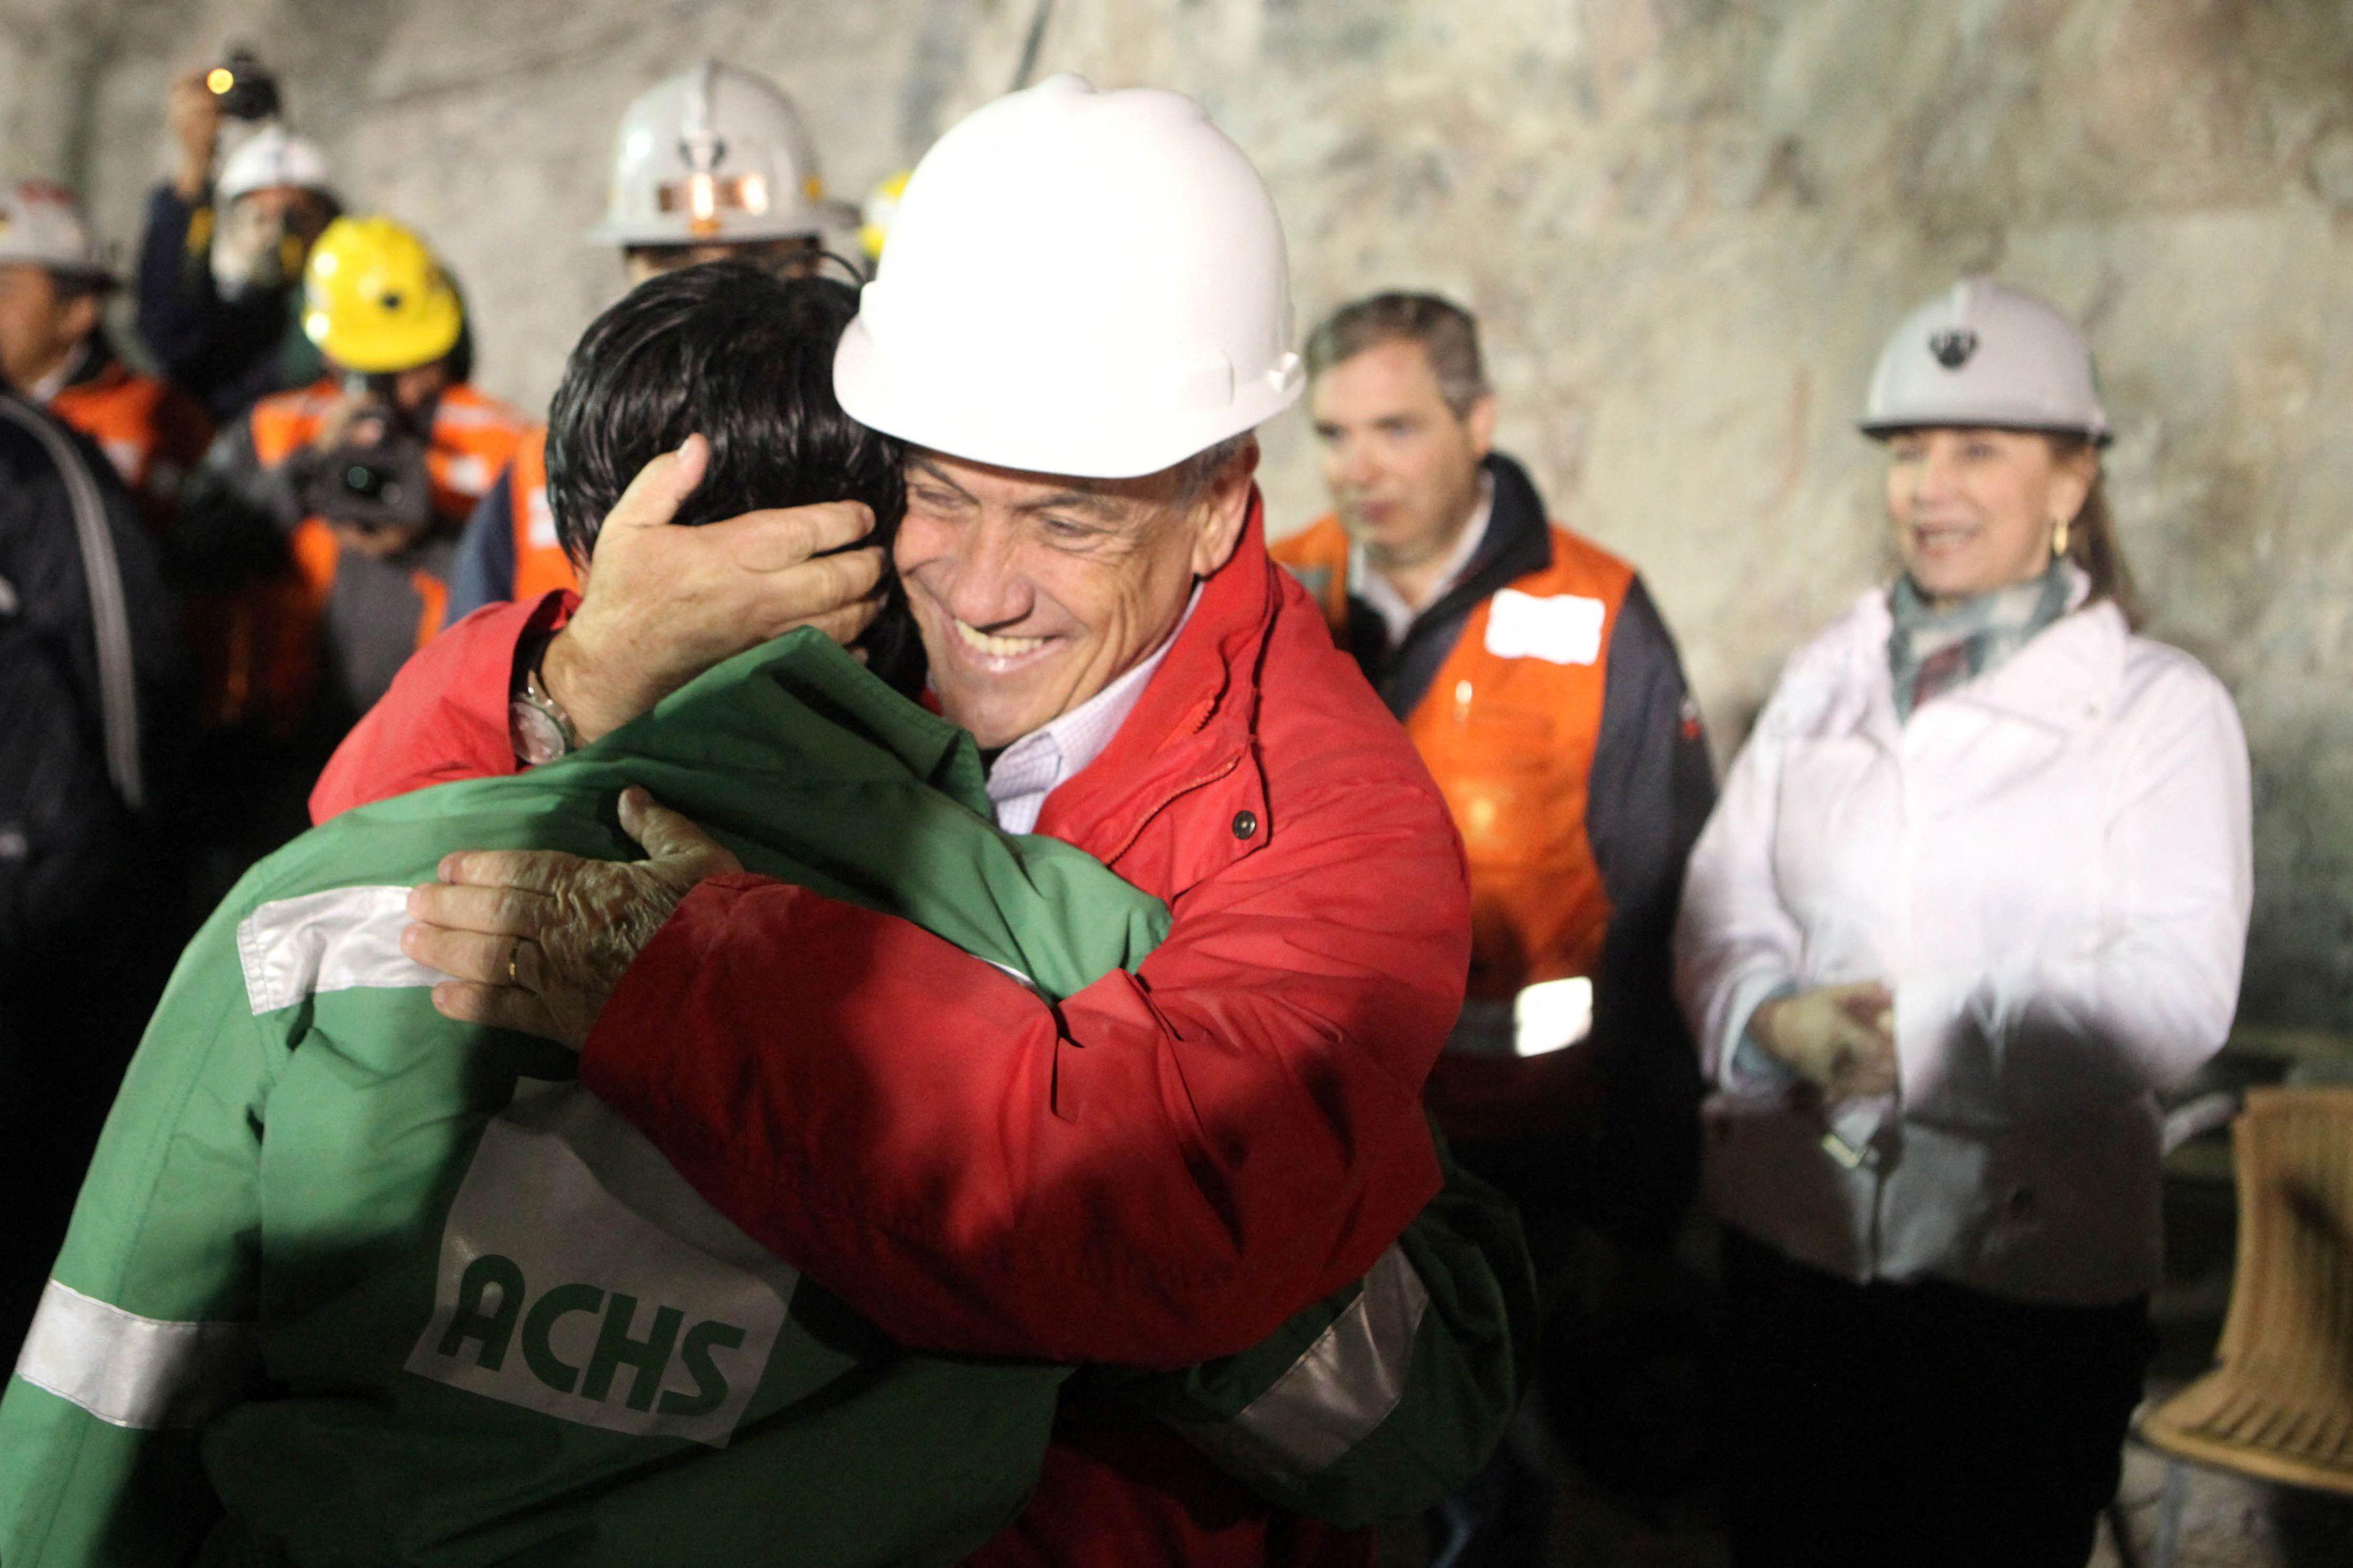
[1931,651]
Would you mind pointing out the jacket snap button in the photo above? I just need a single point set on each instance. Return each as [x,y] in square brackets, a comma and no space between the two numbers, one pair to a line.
[1245,824]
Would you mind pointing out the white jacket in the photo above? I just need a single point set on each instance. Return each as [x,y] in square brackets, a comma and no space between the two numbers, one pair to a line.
[2049,867]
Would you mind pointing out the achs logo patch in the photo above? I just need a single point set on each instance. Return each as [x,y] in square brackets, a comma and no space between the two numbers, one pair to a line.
[1953,347]
[582,1278]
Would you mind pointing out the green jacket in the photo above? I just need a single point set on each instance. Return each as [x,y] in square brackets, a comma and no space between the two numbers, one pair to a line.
[351,1283]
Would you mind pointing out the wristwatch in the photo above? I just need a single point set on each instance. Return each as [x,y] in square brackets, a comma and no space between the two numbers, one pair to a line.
[536,722]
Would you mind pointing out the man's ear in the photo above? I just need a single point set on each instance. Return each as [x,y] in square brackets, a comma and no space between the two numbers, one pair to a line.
[2073,476]
[1480,421]
[79,317]
[1223,510]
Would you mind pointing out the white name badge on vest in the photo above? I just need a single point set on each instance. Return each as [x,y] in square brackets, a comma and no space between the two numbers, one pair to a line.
[468,474]
[1561,628]
[582,1278]
[540,518]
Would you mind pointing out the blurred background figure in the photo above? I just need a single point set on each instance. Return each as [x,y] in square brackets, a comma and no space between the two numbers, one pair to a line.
[1544,694]
[91,704]
[1976,891]
[320,530]
[712,163]
[220,266]
[55,277]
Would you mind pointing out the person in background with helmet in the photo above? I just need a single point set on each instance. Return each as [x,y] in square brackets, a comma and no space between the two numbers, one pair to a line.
[1976,894]
[1543,691]
[53,278]
[322,523]
[1166,1164]
[711,165]
[221,263]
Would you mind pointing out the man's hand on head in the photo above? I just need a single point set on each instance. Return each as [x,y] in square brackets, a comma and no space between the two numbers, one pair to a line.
[662,605]
[536,940]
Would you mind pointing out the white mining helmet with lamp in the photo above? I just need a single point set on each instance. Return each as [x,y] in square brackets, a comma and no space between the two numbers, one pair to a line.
[42,225]
[251,249]
[715,155]
[1076,282]
[272,158]
[1983,354]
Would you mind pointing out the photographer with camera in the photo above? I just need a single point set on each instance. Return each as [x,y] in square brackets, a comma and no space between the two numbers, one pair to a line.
[220,264]
[320,530]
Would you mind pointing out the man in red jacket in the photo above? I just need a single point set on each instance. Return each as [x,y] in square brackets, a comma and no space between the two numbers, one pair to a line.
[1163,1168]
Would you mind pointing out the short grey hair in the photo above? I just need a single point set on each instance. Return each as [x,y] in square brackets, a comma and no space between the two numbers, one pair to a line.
[1194,473]
[1447,332]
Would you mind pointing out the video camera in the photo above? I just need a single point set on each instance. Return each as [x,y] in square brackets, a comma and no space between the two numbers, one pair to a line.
[242,88]
[376,481]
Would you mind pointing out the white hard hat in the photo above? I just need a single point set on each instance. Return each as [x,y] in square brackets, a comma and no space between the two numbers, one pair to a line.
[272,158]
[1983,353]
[41,224]
[715,155]
[1076,282]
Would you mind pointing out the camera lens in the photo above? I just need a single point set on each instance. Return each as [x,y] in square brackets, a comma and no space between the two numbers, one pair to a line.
[245,90]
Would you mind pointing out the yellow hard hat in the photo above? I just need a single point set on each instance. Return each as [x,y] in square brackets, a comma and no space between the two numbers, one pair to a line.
[375,299]
[881,207]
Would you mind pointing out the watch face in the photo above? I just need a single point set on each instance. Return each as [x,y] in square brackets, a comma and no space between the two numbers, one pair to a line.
[538,738]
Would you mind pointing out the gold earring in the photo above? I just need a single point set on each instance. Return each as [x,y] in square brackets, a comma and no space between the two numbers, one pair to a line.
[2059,537]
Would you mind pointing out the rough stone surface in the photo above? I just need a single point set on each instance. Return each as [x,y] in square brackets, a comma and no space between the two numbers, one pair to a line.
[1686,224]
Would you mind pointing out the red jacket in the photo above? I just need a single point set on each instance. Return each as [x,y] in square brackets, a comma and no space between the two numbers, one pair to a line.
[1157,1172]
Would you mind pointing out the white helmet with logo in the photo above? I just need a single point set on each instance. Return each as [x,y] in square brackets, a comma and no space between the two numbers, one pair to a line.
[271,158]
[41,225]
[1983,353]
[1076,282]
[711,156]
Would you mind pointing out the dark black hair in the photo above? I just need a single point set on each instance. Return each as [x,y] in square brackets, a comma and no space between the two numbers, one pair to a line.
[72,286]
[731,350]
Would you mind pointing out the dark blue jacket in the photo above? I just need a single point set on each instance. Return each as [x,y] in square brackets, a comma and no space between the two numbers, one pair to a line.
[229,353]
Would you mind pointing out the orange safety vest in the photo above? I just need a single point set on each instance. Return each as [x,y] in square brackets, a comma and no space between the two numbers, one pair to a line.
[264,655]
[540,562]
[152,432]
[1510,737]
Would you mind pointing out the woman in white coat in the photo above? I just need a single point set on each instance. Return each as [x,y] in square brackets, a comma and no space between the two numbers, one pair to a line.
[1976,892]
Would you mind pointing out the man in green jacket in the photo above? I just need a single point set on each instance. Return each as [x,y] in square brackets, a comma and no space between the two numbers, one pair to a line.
[352,1283]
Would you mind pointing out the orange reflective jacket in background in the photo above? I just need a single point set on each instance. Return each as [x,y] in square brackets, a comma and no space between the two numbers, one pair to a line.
[1544,694]
[540,562]
[1509,738]
[152,432]
[263,654]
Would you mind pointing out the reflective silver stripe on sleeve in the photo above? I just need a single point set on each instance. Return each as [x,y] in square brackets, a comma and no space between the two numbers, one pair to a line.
[1338,1393]
[129,1371]
[1343,1386]
[332,940]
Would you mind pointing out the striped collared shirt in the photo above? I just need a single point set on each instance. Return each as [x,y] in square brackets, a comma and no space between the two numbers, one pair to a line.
[1029,770]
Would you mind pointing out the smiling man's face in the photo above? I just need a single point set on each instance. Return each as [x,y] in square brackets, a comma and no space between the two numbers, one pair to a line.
[1033,592]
